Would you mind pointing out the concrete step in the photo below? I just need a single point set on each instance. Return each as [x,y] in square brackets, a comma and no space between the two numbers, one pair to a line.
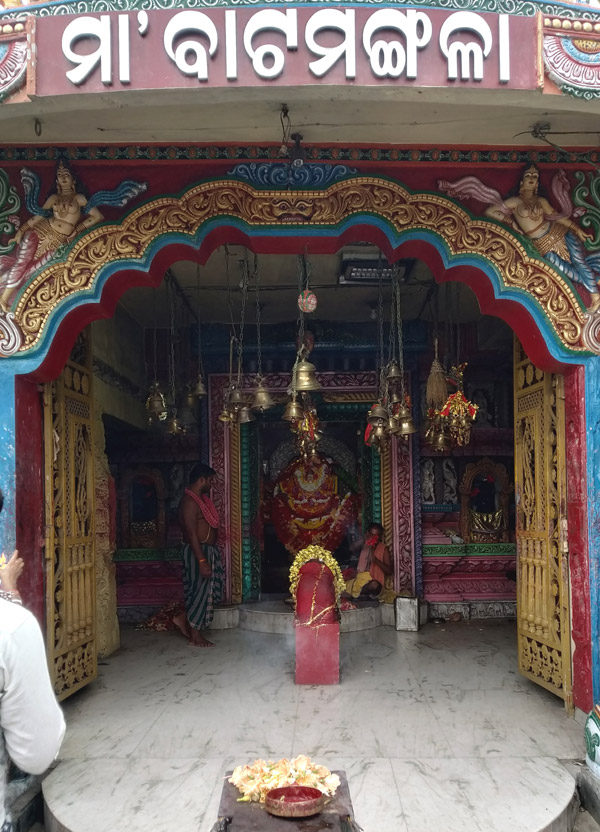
[585,823]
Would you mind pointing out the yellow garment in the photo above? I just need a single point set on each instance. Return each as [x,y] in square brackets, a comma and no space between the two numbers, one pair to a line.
[354,586]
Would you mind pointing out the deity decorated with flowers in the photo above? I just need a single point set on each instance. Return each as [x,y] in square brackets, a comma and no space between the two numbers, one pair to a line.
[311,505]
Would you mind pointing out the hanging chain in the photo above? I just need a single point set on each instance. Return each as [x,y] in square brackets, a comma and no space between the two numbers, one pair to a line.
[458,287]
[399,331]
[199,325]
[172,350]
[155,339]
[301,280]
[240,343]
[380,328]
[258,342]
[229,292]
[392,329]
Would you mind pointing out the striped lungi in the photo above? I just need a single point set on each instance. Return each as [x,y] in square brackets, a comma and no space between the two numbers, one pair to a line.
[201,594]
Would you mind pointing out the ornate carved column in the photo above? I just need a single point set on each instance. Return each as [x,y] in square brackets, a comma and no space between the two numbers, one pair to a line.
[107,632]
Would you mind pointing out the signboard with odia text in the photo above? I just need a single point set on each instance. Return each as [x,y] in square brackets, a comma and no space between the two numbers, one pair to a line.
[246,47]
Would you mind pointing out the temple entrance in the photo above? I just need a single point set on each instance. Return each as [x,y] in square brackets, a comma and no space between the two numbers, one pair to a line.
[449,513]
[447,505]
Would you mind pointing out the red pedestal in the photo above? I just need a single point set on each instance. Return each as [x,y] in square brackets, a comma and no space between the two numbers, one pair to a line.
[317,627]
[318,655]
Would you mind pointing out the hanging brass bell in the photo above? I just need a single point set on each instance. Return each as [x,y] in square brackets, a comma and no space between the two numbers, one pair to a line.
[377,414]
[245,415]
[155,404]
[395,397]
[393,371]
[393,425]
[199,389]
[174,426]
[235,399]
[440,442]
[407,426]
[379,432]
[262,398]
[293,412]
[189,400]
[305,377]
[224,416]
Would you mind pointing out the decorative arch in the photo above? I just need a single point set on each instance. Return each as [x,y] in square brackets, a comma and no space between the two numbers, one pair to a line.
[508,277]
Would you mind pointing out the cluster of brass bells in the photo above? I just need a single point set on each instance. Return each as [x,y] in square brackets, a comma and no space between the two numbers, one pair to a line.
[237,409]
[395,419]
[437,434]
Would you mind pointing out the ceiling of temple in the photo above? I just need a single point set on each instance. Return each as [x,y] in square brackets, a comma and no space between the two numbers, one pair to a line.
[324,114]
[204,288]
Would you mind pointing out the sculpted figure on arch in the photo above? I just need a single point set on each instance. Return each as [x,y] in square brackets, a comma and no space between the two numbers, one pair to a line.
[53,225]
[555,234]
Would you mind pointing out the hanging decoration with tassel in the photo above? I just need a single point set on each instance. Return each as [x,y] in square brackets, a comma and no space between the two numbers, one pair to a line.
[378,418]
[458,412]
[449,422]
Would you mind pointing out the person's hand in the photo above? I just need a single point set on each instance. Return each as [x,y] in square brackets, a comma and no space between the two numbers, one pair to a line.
[12,571]
[205,569]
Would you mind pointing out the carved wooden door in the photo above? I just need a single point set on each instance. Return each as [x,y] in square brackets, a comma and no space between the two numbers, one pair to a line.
[70,549]
[542,555]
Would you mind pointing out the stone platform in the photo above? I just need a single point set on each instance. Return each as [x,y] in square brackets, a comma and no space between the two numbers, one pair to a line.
[435,729]
[277,617]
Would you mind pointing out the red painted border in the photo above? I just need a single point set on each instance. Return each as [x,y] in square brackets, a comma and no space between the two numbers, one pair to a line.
[29,509]
[578,538]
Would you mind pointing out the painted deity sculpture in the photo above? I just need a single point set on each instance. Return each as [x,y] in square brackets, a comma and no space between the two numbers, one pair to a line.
[555,234]
[50,228]
[59,220]
[53,225]
[311,505]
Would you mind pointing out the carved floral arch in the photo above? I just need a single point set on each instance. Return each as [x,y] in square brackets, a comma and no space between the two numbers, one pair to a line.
[508,278]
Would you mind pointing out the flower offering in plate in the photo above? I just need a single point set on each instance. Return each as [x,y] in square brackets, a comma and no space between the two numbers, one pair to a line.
[294,802]
[255,781]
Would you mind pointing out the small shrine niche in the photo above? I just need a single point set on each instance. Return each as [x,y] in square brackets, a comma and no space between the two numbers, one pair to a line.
[484,503]
[142,508]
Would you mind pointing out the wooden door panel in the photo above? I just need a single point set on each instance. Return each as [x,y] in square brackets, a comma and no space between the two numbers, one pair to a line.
[540,488]
[70,513]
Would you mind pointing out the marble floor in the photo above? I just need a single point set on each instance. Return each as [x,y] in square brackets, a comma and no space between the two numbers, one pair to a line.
[436,731]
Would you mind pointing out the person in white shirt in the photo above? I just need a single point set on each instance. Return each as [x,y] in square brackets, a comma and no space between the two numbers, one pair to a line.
[31,721]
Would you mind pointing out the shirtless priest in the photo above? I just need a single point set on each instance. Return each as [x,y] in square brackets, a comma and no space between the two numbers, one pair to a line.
[203,573]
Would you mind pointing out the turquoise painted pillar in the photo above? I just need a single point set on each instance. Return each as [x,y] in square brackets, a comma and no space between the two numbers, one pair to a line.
[592,400]
[8,521]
